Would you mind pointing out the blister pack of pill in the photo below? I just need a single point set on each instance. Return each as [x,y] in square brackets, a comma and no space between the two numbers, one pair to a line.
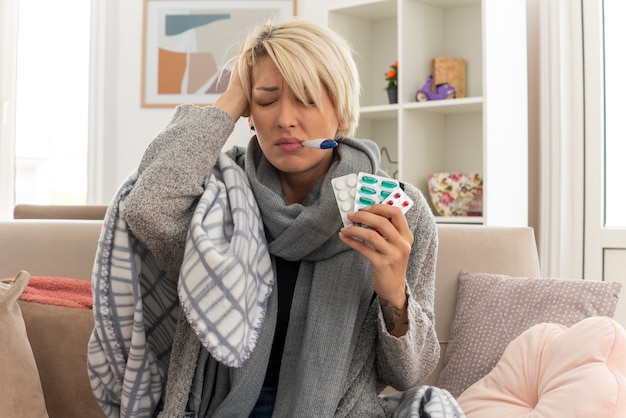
[354,192]
[345,193]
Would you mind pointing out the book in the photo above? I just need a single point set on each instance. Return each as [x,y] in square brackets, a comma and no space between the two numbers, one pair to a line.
[449,70]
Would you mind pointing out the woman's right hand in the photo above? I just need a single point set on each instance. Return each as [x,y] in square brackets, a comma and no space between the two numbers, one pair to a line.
[234,100]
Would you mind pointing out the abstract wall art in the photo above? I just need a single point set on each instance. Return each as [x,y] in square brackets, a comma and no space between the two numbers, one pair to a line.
[187,46]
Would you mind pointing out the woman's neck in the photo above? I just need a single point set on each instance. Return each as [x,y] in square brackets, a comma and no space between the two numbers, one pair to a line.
[297,186]
[296,190]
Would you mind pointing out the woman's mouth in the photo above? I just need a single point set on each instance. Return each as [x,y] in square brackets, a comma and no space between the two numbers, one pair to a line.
[292,144]
[289,144]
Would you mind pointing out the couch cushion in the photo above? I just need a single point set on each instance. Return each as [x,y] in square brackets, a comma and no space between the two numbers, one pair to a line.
[554,371]
[492,310]
[504,250]
[21,394]
[59,337]
[57,315]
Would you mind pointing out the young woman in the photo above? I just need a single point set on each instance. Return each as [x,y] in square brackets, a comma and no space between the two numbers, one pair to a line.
[351,309]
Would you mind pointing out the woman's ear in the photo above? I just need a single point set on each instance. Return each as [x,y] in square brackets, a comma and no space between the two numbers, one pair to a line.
[251,123]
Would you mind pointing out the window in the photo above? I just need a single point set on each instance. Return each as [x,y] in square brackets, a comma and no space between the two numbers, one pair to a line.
[51,102]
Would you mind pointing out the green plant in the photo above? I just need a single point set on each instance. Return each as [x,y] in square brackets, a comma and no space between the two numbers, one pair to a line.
[392,76]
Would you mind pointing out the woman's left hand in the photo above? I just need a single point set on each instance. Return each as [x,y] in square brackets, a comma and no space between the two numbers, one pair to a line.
[386,244]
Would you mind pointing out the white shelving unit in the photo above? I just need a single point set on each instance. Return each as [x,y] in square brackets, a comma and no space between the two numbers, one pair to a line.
[485,132]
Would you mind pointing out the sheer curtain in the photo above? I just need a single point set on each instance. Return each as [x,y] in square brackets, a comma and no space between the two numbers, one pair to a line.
[45,78]
[8,50]
[556,135]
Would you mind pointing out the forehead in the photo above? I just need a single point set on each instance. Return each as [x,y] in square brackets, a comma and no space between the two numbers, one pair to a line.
[266,74]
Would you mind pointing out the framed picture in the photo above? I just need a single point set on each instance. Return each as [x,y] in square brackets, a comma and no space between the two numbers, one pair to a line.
[187,45]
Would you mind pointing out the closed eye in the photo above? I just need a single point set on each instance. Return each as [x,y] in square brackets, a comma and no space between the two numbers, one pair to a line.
[310,102]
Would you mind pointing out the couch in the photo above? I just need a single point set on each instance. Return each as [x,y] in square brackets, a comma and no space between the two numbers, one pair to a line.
[29,211]
[66,248]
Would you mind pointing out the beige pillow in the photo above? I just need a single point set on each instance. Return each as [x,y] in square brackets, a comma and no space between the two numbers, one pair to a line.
[492,310]
[21,394]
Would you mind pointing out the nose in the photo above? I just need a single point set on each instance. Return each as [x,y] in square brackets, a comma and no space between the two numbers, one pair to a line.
[286,117]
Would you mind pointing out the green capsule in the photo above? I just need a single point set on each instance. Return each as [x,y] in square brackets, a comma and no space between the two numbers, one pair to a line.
[365,201]
[369,180]
[389,184]
[384,194]
[367,190]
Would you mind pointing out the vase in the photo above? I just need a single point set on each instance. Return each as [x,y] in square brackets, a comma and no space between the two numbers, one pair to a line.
[393,96]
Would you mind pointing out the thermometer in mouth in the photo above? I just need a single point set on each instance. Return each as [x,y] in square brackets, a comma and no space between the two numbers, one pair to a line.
[320,143]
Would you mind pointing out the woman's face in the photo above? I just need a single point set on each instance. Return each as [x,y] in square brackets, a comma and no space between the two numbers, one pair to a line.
[282,123]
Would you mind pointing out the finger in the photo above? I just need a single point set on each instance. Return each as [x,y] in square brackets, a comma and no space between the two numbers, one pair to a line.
[366,238]
[388,221]
[392,213]
[356,243]
[374,251]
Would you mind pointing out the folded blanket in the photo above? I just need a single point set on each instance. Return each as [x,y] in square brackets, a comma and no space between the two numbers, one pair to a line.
[424,402]
[59,291]
[226,277]
[223,288]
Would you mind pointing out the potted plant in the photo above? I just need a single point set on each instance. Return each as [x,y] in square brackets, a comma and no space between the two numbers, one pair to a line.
[392,82]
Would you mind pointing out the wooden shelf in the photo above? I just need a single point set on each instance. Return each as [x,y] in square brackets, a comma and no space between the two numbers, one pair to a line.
[474,220]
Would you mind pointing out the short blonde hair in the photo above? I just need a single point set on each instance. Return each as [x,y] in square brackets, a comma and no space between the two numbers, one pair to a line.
[308,56]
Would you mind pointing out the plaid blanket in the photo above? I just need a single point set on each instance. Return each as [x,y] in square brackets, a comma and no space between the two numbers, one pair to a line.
[223,288]
[424,402]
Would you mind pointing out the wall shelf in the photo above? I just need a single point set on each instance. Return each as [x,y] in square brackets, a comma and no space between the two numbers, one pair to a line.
[485,132]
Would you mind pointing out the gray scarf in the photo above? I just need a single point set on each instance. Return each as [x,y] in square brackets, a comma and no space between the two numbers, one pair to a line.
[332,296]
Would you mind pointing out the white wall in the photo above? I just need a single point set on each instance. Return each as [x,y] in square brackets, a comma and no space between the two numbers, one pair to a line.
[127,128]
